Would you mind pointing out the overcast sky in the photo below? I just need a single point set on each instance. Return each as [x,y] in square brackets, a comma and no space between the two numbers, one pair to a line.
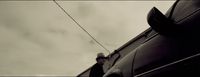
[38,38]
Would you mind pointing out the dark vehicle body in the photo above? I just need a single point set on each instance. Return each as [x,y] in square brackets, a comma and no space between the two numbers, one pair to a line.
[172,48]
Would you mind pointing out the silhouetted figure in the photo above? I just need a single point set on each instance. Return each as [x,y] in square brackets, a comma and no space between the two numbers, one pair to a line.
[97,69]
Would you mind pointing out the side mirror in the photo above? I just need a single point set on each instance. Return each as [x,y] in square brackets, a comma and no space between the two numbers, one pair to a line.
[160,23]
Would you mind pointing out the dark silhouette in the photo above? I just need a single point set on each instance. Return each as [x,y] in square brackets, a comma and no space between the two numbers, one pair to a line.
[97,69]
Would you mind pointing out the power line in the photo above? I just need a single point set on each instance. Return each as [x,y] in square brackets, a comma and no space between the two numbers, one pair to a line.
[80,25]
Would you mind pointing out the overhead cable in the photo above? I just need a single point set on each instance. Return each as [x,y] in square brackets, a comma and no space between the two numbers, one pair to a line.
[80,25]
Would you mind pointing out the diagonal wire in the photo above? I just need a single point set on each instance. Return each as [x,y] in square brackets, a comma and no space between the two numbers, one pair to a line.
[80,26]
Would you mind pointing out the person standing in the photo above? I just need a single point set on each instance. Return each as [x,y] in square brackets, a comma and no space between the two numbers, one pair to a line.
[97,69]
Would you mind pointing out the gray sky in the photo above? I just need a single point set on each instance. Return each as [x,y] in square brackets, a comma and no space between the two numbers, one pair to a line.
[37,38]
